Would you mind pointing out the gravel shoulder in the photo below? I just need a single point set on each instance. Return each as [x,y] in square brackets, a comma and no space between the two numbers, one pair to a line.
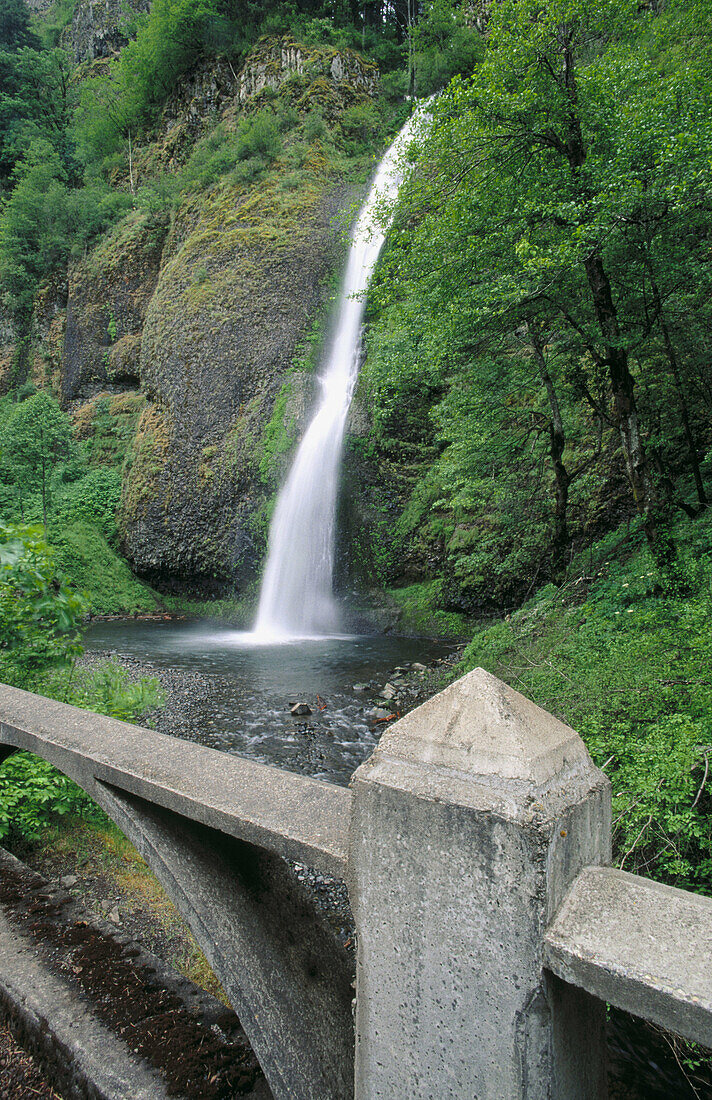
[109,1017]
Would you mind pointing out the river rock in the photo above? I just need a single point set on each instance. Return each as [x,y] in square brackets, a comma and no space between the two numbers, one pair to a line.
[68,881]
[417,667]
[300,710]
[360,687]
[389,692]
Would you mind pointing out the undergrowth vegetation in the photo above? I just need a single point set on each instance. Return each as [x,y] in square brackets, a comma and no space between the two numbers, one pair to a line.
[40,623]
[72,486]
[33,794]
[624,657]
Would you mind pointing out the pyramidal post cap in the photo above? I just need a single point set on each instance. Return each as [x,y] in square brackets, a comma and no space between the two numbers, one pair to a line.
[481,727]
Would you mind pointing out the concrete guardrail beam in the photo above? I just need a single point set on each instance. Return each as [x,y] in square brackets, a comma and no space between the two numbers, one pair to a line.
[639,945]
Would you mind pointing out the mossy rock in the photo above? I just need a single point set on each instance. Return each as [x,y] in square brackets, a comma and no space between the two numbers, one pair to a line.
[108,422]
[246,270]
[108,297]
[275,61]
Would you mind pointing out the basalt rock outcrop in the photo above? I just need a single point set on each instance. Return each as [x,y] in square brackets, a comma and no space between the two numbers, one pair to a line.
[39,357]
[206,312]
[275,61]
[218,345]
[100,28]
[8,349]
[107,300]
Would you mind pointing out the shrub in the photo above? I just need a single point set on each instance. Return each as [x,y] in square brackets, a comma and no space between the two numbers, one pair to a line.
[108,584]
[40,614]
[93,498]
[33,794]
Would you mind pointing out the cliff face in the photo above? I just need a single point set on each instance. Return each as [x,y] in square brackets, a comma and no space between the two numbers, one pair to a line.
[221,334]
[107,299]
[8,347]
[276,61]
[99,27]
[207,309]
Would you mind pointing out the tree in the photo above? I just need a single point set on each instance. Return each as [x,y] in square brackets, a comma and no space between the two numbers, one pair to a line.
[43,221]
[35,438]
[527,186]
[125,101]
[36,103]
[15,29]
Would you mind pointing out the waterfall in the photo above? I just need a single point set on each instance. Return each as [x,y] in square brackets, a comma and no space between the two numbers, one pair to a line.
[296,600]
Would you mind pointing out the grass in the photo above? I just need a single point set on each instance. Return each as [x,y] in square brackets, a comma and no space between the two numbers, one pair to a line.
[100,852]
[88,561]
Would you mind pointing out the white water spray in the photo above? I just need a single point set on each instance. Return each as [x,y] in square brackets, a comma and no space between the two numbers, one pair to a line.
[296,600]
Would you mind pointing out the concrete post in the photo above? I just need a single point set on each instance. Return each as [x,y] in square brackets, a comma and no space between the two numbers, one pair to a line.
[470,821]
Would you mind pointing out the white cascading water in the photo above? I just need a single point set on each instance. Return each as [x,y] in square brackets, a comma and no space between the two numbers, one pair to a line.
[296,599]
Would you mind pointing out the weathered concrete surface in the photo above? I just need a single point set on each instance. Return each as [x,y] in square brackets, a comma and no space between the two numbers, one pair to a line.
[287,977]
[469,823]
[89,1059]
[201,1005]
[642,946]
[297,817]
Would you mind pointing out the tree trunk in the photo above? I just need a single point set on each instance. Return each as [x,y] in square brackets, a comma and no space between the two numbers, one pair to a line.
[675,371]
[616,357]
[622,389]
[562,480]
[44,496]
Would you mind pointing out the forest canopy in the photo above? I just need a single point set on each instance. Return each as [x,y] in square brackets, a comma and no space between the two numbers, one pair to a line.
[549,281]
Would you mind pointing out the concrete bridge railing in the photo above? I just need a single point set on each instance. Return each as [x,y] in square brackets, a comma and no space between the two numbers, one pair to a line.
[474,844]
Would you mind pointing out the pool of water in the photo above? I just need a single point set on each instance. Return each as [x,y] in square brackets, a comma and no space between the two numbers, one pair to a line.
[226,690]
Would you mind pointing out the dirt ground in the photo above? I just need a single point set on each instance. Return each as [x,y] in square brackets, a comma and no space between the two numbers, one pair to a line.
[198,1062]
[20,1077]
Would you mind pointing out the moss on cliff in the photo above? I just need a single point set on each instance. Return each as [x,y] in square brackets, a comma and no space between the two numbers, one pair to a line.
[279,435]
[108,424]
[145,460]
[108,297]
[421,607]
[231,332]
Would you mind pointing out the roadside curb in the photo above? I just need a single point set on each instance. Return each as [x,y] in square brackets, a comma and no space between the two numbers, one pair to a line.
[84,1058]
